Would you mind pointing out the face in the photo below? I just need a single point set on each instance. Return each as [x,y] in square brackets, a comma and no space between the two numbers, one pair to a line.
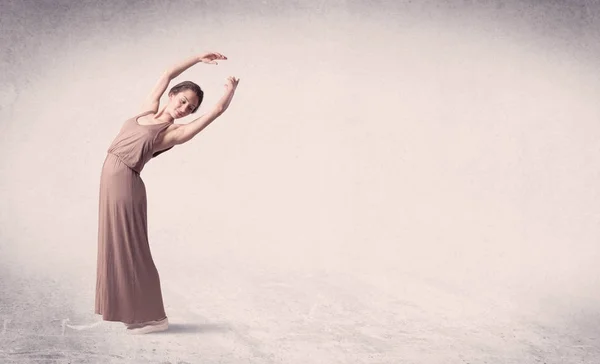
[183,103]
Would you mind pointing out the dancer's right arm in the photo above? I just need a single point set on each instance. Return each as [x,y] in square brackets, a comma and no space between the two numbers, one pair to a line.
[152,102]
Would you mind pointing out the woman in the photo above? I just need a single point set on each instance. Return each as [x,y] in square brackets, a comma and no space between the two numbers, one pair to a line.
[127,283]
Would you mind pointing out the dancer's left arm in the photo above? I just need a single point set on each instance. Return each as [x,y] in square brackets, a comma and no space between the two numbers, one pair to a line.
[152,102]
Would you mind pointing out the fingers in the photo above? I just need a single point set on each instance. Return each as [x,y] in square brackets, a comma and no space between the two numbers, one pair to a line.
[212,57]
[233,81]
[216,55]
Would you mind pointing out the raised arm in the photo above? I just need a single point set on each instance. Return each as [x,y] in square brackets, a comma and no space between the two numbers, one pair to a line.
[188,131]
[152,102]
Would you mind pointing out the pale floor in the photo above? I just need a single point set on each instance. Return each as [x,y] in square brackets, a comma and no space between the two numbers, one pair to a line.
[222,313]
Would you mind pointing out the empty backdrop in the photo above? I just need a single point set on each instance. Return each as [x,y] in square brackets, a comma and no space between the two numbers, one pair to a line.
[440,155]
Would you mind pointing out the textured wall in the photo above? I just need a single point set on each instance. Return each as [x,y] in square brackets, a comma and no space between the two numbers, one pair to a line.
[456,142]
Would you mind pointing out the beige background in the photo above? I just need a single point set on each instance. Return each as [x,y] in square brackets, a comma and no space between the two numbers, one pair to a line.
[394,181]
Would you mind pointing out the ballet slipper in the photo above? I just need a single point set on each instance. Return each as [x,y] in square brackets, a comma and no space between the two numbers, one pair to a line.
[148,327]
[140,324]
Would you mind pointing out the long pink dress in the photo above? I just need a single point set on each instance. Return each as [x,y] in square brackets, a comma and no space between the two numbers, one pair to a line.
[127,282]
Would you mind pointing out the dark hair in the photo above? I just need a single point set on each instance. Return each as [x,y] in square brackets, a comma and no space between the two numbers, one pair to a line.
[188,85]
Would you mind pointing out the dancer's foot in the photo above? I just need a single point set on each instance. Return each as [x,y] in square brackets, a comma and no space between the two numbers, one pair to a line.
[148,327]
[140,324]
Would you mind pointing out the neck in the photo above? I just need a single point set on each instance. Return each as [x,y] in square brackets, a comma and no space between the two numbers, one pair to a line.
[163,116]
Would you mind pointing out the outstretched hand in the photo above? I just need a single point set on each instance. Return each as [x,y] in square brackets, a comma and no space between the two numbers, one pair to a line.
[211,58]
[231,83]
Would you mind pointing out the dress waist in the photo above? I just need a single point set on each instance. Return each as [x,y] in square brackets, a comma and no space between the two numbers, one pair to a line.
[122,161]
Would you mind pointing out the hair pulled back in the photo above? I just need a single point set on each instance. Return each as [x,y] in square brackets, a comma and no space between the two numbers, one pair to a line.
[188,85]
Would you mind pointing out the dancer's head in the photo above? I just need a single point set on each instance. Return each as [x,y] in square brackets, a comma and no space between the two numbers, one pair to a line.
[184,99]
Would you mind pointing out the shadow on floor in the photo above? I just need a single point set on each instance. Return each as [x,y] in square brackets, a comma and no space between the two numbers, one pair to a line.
[196,328]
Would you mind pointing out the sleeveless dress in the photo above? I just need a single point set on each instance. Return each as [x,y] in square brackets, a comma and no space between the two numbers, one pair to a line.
[127,282]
